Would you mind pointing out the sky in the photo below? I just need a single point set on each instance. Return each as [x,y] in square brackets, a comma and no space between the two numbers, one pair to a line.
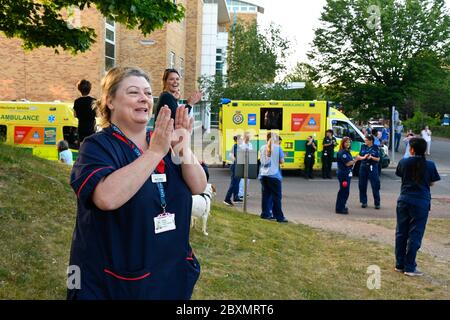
[297,20]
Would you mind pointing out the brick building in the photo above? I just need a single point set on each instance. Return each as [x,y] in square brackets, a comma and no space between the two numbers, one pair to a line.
[43,75]
[195,46]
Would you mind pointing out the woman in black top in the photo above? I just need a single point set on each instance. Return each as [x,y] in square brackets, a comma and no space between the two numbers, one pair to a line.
[171,93]
[310,149]
[84,111]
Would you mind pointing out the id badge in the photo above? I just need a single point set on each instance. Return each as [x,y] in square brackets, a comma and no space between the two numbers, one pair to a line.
[159,177]
[371,168]
[164,222]
[325,154]
[350,174]
[309,156]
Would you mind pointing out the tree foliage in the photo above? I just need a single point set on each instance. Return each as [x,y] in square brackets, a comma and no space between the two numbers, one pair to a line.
[371,55]
[255,57]
[42,23]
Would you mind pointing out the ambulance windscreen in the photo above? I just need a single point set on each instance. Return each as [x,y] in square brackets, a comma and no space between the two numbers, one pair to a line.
[271,118]
[71,136]
[2,133]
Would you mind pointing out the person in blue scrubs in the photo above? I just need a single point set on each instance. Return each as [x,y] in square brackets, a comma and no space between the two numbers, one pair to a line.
[131,239]
[271,156]
[233,189]
[345,163]
[370,156]
[413,205]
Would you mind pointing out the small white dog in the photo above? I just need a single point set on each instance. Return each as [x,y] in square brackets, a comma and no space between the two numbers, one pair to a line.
[201,206]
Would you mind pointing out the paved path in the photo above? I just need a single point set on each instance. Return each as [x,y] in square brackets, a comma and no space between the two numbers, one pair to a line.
[312,202]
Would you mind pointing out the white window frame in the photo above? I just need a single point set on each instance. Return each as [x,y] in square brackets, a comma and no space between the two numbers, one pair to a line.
[112,28]
[172,60]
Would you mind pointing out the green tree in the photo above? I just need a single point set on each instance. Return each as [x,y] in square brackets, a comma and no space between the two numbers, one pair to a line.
[255,57]
[366,52]
[427,85]
[41,23]
[303,72]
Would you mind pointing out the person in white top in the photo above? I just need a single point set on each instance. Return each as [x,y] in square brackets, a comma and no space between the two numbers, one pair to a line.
[65,155]
[246,144]
[426,135]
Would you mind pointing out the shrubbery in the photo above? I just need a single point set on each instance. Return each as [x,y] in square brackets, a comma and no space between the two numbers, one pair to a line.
[419,121]
[441,131]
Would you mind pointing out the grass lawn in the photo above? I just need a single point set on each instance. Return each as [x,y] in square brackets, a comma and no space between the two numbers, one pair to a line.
[243,257]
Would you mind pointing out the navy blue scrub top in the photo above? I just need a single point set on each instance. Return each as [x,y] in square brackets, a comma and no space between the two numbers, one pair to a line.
[373,150]
[344,157]
[412,192]
[118,252]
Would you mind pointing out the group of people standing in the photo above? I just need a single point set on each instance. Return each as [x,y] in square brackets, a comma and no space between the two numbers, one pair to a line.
[329,143]
[369,156]
[271,156]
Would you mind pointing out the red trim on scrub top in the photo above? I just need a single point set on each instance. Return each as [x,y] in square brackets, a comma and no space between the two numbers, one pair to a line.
[124,278]
[89,176]
[190,258]
[118,136]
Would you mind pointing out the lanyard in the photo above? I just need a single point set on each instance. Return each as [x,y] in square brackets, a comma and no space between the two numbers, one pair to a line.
[161,165]
[119,134]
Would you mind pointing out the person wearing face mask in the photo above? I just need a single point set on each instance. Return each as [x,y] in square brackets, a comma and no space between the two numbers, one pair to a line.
[171,93]
[134,198]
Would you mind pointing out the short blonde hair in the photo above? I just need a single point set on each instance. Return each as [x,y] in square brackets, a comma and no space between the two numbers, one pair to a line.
[110,84]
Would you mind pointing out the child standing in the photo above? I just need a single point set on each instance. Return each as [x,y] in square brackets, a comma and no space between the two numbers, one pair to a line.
[65,155]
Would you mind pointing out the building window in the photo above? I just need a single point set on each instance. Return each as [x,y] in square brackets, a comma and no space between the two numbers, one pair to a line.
[181,67]
[110,44]
[171,60]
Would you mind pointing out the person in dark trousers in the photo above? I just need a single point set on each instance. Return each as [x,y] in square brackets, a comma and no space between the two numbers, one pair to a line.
[233,189]
[310,158]
[171,93]
[413,206]
[271,156]
[134,203]
[84,110]
[329,142]
[345,163]
[398,134]
[370,156]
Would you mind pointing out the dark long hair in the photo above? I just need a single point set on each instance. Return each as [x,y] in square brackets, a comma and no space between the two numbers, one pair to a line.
[166,74]
[419,145]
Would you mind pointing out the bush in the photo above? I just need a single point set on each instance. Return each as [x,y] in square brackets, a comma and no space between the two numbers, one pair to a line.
[419,121]
[441,131]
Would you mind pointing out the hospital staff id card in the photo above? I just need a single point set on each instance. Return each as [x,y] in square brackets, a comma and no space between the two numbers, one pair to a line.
[159,178]
[164,222]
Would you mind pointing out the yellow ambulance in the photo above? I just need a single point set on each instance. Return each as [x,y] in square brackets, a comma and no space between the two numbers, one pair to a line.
[293,120]
[38,126]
